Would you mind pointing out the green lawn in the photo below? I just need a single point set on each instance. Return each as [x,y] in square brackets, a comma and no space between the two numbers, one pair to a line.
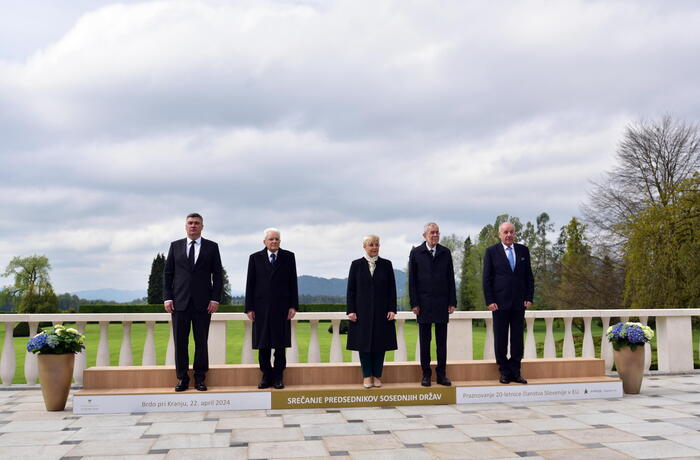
[234,339]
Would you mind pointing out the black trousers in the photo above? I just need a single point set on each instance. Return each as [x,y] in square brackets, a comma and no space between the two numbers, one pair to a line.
[425,336]
[270,373]
[513,320]
[372,363]
[199,322]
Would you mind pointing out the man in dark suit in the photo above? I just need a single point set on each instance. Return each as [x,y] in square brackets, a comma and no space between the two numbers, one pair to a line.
[192,286]
[271,301]
[431,288]
[508,290]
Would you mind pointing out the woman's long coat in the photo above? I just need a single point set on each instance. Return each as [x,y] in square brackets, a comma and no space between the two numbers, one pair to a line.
[371,298]
[270,292]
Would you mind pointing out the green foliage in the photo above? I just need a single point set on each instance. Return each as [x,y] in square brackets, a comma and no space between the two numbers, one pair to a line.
[155,280]
[226,294]
[31,284]
[468,288]
[46,302]
[56,340]
[663,243]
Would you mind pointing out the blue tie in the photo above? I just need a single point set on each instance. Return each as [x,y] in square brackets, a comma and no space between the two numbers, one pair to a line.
[511,258]
[273,257]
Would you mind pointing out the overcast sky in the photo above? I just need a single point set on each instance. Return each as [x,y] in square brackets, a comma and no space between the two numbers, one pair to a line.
[327,119]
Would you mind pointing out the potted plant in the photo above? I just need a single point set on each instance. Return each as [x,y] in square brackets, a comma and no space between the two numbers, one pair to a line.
[628,341]
[56,346]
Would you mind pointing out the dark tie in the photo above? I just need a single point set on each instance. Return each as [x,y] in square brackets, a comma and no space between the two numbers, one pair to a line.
[190,256]
[432,252]
[273,258]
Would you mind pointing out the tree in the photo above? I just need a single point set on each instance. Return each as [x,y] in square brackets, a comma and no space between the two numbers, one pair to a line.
[454,244]
[663,268]
[653,159]
[226,294]
[31,284]
[155,280]
[468,286]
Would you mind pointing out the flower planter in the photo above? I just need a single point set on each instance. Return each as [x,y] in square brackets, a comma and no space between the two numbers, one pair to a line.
[630,367]
[55,375]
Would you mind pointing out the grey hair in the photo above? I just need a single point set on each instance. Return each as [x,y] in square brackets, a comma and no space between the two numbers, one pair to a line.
[368,239]
[500,227]
[271,230]
[428,225]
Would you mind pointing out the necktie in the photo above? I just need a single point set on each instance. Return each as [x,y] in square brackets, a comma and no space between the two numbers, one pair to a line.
[511,258]
[432,252]
[273,258]
[190,256]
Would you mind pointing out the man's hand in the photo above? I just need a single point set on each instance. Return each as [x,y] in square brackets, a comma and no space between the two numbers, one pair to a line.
[390,315]
[415,310]
[213,306]
[527,304]
[168,305]
[352,317]
[251,315]
[291,313]
[493,307]
[451,309]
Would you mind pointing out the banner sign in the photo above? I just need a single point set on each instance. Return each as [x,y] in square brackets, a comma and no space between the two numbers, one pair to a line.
[551,392]
[169,402]
[362,398]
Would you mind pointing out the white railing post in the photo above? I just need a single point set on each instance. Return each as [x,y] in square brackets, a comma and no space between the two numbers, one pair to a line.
[31,365]
[489,352]
[149,345]
[170,350]
[103,346]
[314,355]
[216,342]
[647,346]
[606,351]
[292,352]
[80,362]
[336,355]
[247,349]
[550,350]
[400,353]
[7,362]
[588,350]
[568,350]
[530,346]
[459,339]
[126,357]
[674,343]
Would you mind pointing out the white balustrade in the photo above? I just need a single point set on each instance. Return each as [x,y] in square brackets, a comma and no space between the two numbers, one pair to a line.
[673,344]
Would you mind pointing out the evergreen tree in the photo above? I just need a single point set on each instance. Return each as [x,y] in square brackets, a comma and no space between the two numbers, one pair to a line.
[468,288]
[155,280]
[226,294]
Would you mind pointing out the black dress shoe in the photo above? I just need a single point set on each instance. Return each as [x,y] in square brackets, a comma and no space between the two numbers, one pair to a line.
[200,386]
[182,385]
[425,382]
[279,384]
[264,383]
[504,379]
[444,381]
[519,379]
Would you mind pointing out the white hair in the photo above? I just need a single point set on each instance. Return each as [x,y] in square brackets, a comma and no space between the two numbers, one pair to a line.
[271,230]
[500,227]
[368,239]
[428,225]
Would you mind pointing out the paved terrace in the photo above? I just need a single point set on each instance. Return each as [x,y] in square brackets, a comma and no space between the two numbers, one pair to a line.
[662,422]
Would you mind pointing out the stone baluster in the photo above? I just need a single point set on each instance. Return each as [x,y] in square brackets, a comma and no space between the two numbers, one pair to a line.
[550,350]
[170,350]
[489,352]
[31,367]
[459,340]
[606,352]
[336,351]
[400,353]
[530,345]
[149,345]
[80,358]
[588,350]
[314,355]
[247,350]
[103,345]
[647,346]
[292,353]
[7,362]
[216,342]
[126,357]
[568,349]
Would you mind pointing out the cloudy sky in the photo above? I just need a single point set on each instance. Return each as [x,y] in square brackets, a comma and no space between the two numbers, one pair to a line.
[327,119]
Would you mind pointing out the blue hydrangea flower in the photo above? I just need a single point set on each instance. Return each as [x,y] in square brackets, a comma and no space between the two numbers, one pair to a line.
[52,341]
[36,342]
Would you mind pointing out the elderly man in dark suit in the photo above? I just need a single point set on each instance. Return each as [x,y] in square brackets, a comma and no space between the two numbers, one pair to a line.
[431,288]
[271,301]
[192,286]
[508,290]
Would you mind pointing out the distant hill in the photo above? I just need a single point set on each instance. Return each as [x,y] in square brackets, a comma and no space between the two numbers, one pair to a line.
[315,285]
[115,295]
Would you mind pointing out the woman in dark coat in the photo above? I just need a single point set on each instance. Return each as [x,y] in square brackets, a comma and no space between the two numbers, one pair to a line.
[371,307]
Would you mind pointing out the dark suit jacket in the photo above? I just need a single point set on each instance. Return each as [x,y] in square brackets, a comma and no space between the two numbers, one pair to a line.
[201,283]
[503,286]
[371,297]
[431,283]
[270,292]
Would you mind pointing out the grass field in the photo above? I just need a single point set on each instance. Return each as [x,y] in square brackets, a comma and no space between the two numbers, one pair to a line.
[234,339]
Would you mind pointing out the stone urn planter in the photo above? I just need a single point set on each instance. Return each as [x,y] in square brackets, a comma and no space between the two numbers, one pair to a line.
[630,367]
[55,375]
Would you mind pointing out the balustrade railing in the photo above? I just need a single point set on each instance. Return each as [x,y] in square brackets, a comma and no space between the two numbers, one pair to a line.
[674,339]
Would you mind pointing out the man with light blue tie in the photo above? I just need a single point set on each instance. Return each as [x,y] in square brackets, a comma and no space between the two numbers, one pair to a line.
[509,287]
